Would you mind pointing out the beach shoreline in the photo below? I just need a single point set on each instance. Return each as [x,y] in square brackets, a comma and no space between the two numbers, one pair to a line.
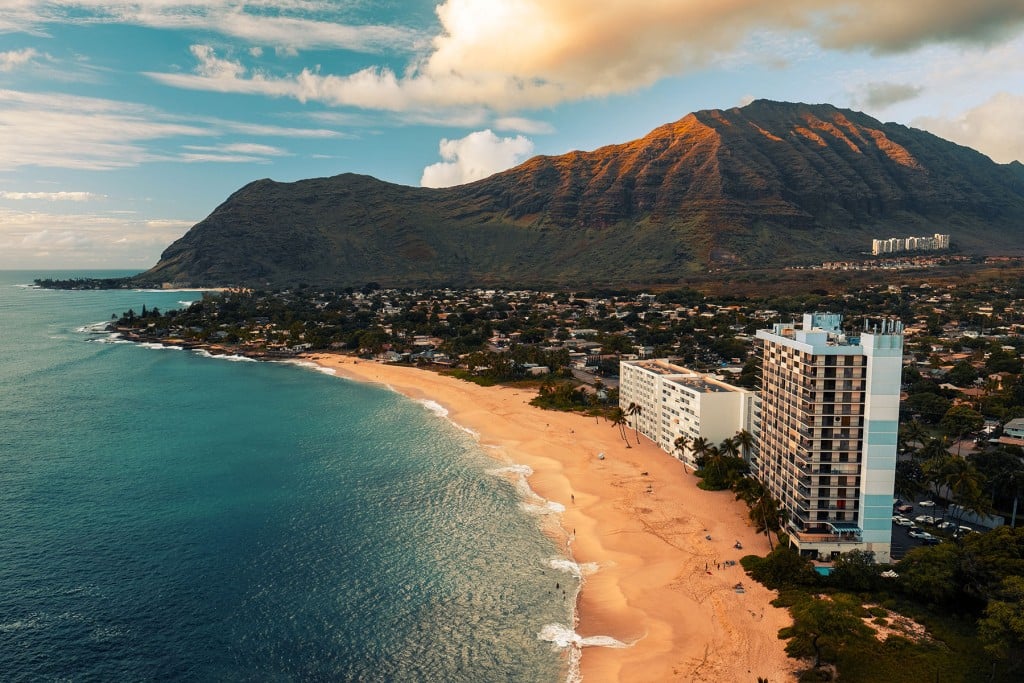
[666,572]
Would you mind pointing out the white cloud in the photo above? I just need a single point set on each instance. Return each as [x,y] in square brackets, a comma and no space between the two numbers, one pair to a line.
[880,95]
[535,53]
[243,148]
[64,131]
[53,196]
[210,66]
[523,125]
[992,128]
[14,58]
[475,156]
[284,24]
[57,240]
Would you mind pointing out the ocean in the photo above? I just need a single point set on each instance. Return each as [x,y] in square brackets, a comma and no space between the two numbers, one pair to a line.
[170,516]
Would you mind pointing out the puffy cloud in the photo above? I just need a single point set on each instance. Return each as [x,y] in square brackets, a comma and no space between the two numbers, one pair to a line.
[210,66]
[475,156]
[886,26]
[992,128]
[14,58]
[534,53]
[881,95]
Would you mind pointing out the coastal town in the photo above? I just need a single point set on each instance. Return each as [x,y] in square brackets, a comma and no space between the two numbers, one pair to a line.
[704,379]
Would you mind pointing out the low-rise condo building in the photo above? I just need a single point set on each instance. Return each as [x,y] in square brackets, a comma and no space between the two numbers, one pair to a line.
[670,401]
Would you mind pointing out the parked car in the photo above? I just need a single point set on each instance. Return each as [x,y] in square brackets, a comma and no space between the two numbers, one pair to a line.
[924,519]
[964,530]
[927,503]
[922,535]
[900,520]
[904,508]
[945,525]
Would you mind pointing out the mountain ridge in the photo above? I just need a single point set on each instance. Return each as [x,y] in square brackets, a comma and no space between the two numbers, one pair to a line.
[764,185]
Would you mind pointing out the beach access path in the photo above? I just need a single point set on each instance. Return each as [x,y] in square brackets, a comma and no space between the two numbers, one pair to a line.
[664,581]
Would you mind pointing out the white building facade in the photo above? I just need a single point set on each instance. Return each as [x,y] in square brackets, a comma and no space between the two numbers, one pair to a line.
[829,422]
[674,401]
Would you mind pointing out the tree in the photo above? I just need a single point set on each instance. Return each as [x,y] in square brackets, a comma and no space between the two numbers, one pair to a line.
[767,515]
[961,480]
[619,420]
[930,406]
[909,479]
[635,410]
[746,442]
[823,624]
[1002,627]
[680,445]
[700,447]
[856,570]
[962,374]
[960,421]
[912,435]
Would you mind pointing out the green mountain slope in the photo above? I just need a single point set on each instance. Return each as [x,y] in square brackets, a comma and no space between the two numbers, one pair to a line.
[763,185]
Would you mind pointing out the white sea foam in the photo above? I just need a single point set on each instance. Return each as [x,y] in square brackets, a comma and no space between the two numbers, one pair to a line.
[543,507]
[94,328]
[160,347]
[309,365]
[18,624]
[563,636]
[531,503]
[569,567]
[223,356]
[112,338]
[520,470]
[434,407]
[186,304]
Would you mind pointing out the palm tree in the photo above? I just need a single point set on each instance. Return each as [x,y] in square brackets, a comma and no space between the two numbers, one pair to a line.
[730,447]
[746,442]
[619,420]
[749,490]
[636,411]
[680,445]
[961,480]
[914,432]
[700,447]
[767,516]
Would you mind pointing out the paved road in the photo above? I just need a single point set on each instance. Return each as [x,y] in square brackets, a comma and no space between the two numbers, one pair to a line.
[609,382]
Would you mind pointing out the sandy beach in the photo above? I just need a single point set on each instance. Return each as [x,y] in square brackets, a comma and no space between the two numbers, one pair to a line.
[659,544]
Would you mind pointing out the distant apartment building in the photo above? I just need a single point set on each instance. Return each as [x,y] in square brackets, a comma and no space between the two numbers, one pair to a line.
[674,401]
[895,245]
[829,421]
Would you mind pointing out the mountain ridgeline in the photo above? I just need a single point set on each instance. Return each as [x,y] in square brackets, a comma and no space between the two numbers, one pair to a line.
[764,185]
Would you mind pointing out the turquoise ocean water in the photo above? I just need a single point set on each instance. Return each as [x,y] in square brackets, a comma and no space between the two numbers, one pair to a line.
[168,516]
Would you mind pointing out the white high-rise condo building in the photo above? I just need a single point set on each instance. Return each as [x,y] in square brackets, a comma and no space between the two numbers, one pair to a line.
[829,420]
[672,401]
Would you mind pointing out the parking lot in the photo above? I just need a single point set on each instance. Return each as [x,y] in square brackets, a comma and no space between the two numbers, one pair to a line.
[902,542]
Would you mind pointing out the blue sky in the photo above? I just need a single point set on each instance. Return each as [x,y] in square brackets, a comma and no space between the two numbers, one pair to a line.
[124,123]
